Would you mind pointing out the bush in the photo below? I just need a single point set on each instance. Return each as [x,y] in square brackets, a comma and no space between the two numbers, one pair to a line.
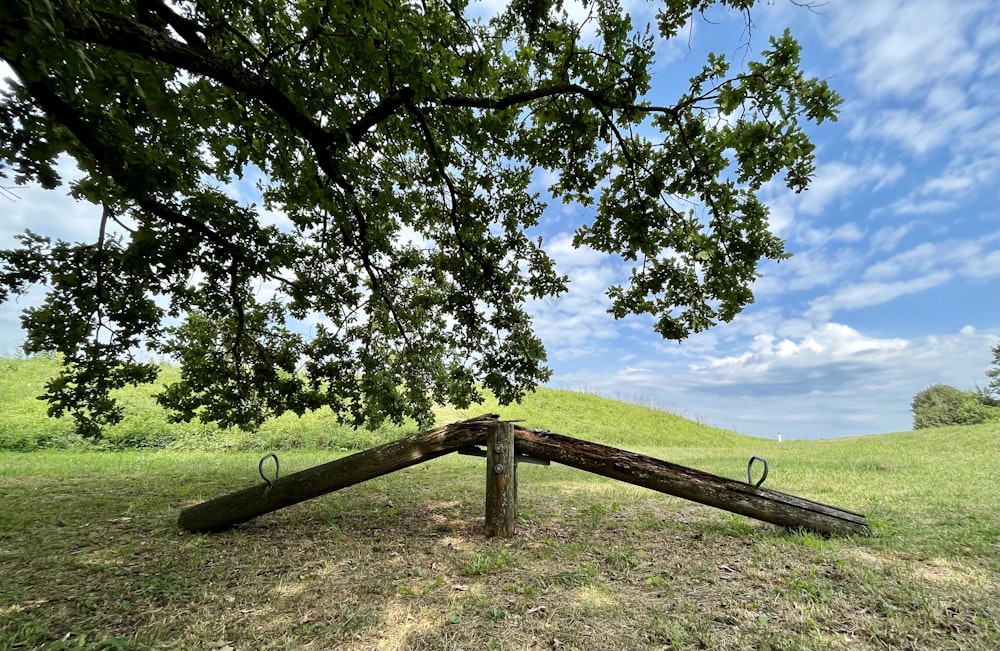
[941,405]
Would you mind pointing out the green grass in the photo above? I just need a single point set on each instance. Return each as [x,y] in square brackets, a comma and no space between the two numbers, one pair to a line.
[91,557]
[24,425]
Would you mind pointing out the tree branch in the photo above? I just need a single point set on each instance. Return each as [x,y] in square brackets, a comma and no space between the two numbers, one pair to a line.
[108,159]
[388,106]
[119,33]
[187,28]
[487,267]
[122,34]
[524,97]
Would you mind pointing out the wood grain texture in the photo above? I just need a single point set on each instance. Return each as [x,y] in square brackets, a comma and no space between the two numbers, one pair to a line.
[729,494]
[234,508]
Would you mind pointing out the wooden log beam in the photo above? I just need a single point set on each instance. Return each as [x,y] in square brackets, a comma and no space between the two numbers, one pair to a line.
[234,508]
[518,458]
[736,496]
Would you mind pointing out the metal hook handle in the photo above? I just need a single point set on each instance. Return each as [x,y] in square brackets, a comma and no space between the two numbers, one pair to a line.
[750,475]
[277,471]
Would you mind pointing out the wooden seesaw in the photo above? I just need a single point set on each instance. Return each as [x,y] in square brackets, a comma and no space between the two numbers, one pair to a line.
[506,445]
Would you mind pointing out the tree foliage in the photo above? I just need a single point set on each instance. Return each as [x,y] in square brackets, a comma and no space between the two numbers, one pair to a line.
[991,392]
[941,405]
[398,141]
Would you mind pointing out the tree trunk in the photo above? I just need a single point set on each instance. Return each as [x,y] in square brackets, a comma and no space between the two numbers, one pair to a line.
[704,488]
[234,508]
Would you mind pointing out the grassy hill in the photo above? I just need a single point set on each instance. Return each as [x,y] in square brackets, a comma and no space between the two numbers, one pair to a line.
[24,425]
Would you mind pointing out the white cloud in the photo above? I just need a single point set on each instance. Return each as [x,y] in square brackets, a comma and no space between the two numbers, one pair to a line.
[832,180]
[849,232]
[781,211]
[51,212]
[836,186]
[569,258]
[913,206]
[921,132]
[926,71]
[962,180]
[825,380]
[824,342]
[884,175]
[984,265]
[866,294]
[897,48]
[947,184]
[965,174]
[965,256]
[907,128]
[919,259]
[810,269]
[576,323]
[885,239]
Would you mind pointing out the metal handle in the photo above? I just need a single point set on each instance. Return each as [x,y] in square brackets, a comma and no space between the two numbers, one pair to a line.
[750,474]
[277,471]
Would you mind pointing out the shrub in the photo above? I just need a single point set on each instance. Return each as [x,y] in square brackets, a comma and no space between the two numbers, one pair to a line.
[941,405]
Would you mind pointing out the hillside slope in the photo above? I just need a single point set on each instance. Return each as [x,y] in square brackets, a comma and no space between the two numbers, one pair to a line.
[24,424]
[613,422]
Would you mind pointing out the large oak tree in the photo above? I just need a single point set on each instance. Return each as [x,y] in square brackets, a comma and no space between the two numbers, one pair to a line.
[400,139]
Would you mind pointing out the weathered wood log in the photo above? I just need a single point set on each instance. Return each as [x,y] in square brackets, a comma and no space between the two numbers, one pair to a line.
[736,496]
[501,480]
[518,458]
[234,508]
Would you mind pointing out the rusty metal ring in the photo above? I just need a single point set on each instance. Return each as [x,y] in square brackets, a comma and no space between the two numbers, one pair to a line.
[277,471]
[750,467]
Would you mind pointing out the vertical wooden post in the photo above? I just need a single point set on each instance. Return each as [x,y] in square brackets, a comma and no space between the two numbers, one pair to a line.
[501,480]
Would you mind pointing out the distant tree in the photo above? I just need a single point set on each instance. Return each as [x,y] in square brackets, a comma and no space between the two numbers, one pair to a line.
[991,392]
[941,405]
[398,142]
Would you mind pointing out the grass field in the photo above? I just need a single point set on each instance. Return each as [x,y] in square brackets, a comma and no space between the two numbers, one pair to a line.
[91,557]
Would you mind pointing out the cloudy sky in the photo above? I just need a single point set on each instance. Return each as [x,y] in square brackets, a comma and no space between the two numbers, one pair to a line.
[895,280]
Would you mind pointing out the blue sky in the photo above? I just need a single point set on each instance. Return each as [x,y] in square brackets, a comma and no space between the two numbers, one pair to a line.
[895,280]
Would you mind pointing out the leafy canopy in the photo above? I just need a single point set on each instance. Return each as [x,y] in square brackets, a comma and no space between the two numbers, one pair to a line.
[398,140]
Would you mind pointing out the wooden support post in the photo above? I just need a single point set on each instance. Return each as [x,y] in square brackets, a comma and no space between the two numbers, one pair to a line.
[501,480]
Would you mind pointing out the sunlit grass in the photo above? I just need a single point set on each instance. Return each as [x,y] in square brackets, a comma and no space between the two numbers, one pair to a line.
[25,426]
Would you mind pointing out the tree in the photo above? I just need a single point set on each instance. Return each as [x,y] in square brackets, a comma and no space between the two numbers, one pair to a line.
[991,393]
[399,140]
[941,405]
